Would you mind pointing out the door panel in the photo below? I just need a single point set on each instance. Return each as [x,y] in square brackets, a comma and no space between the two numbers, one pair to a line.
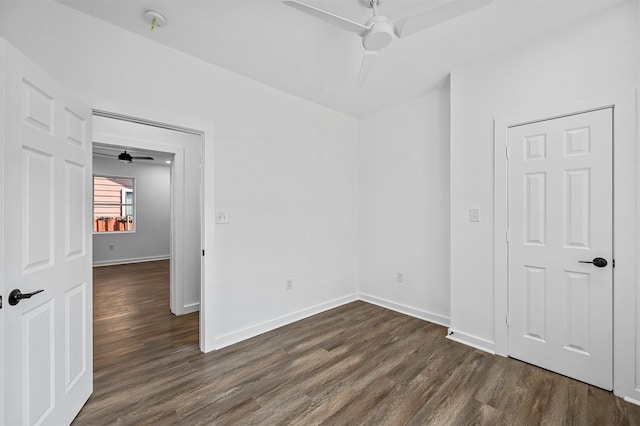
[560,213]
[48,367]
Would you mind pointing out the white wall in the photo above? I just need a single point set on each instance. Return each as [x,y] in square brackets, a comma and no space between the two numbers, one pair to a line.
[404,207]
[600,54]
[284,167]
[150,241]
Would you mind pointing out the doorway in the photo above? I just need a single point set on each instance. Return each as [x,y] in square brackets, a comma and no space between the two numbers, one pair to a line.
[625,190]
[184,148]
[560,245]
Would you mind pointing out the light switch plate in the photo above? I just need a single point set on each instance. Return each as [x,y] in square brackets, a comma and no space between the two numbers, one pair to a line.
[474,215]
[222,217]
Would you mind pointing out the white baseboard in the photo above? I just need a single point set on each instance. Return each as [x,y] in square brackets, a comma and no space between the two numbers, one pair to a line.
[187,309]
[112,262]
[407,310]
[473,341]
[631,400]
[255,330]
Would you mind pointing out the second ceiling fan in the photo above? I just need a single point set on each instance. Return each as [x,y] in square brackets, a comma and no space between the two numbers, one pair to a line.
[126,157]
[377,33]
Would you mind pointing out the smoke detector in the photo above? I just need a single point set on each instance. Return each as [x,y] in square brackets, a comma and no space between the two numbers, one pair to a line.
[156,18]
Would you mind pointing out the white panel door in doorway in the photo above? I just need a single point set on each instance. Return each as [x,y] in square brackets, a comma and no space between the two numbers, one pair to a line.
[560,217]
[47,332]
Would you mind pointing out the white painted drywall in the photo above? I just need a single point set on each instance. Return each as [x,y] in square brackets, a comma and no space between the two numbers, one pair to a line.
[150,241]
[285,168]
[600,54]
[404,207]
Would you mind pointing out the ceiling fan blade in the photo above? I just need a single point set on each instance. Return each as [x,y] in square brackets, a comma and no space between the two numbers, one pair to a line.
[142,158]
[106,155]
[367,64]
[436,15]
[336,20]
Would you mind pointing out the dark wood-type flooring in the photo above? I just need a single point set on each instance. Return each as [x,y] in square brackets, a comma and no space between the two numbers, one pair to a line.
[357,364]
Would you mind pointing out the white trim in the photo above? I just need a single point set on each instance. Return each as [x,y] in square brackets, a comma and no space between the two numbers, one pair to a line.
[626,199]
[631,400]
[257,329]
[3,288]
[407,310]
[209,323]
[470,340]
[112,262]
[143,121]
[188,308]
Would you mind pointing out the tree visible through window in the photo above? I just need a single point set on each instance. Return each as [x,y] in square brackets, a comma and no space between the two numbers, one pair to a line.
[113,204]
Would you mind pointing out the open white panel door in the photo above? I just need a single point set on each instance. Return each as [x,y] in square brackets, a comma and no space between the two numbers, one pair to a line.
[47,338]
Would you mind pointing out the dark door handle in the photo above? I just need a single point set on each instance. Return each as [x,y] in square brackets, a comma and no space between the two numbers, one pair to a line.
[16,296]
[598,261]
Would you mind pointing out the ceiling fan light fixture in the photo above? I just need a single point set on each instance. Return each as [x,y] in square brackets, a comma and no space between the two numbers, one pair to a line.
[125,157]
[378,32]
[379,35]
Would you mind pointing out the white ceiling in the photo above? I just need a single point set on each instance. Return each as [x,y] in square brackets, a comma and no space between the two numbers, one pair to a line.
[284,48]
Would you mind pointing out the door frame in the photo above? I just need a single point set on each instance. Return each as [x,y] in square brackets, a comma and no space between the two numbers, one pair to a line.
[625,204]
[206,334]
[177,189]
[2,225]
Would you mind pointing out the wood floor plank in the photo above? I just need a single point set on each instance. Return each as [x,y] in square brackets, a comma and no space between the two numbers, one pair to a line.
[358,364]
[407,399]
[454,394]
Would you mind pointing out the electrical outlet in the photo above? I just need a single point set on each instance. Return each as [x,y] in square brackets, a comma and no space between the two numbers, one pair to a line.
[289,283]
[399,277]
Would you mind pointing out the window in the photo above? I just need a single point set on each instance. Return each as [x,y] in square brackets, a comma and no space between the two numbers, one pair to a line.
[113,209]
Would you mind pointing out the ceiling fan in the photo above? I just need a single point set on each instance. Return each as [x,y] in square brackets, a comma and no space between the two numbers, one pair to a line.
[377,33]
[125,157]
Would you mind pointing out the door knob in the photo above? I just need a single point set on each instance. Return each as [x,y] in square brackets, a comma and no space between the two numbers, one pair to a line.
[16,296]
[598,261]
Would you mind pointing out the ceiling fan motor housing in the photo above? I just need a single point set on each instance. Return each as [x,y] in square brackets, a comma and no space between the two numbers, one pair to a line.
[379,35]
[126,157]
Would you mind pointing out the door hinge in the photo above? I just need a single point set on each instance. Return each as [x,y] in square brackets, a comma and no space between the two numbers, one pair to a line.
[203,252]
[613,263]
[506,235]
[0,302]
[506,320]
[506,151]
